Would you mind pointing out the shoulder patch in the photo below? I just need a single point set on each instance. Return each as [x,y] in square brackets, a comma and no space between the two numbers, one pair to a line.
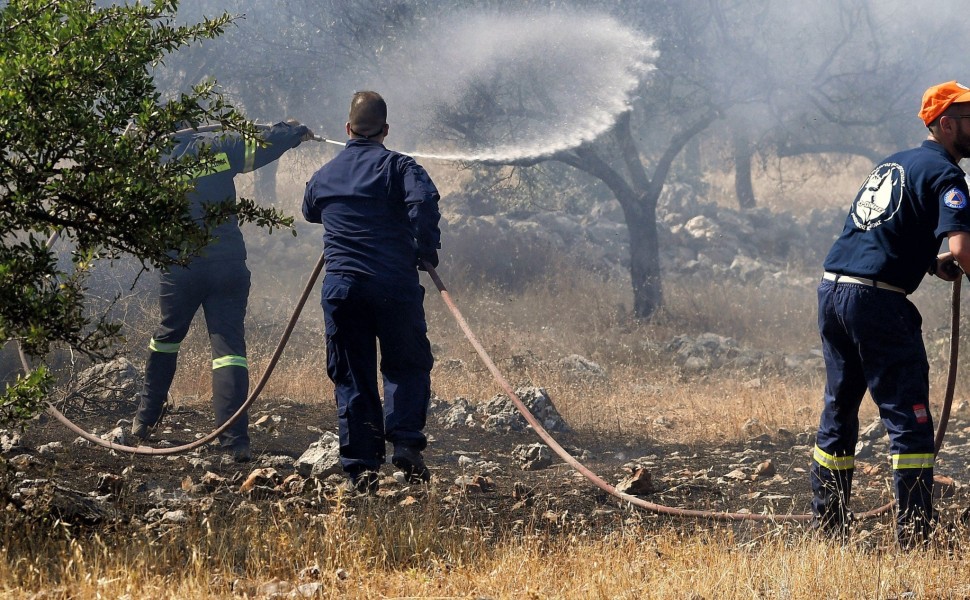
[954,198]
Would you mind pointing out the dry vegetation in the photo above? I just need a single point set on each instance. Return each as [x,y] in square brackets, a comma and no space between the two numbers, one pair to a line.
[433,553]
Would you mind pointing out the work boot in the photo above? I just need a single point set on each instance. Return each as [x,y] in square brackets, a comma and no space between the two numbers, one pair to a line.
[241,453]
[411,463]
[140,431]
[366,481]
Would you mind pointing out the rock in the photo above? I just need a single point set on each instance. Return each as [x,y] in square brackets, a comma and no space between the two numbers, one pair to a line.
[43,498]
[501,414]
[748,270]
[702,228]
[117,381]
[322,458]
[174,516]
[873,431]
[270,424]
[753,428]
[582,367]
[49,449]
[260,477]
[456,414]
[961,410]
[109,483]
[115,436]
[532,457]
[9,441]
[943,486]
[765,470]
[640,483]
[475,483]
[211,481]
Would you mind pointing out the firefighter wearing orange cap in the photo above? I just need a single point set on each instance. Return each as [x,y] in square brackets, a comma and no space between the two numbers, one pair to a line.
[871,332]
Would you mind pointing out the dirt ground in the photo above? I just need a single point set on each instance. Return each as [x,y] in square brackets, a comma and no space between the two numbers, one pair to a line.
[474,470]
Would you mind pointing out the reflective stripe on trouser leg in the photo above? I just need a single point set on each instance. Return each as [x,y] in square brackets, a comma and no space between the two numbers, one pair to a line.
[831,479]
[913,485]
[225,316]
[230,388]
[180,293]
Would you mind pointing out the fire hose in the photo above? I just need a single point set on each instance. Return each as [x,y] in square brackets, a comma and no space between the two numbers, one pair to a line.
[543,434]
[520,406]
[274,359]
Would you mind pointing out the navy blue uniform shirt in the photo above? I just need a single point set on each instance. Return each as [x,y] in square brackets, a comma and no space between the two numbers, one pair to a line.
[233,154]
[900,216]
[379,210]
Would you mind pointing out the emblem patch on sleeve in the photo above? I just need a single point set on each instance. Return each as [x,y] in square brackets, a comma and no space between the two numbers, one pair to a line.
[954,198]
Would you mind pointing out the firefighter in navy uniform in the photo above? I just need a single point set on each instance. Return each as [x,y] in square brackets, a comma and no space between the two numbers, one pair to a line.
[871,333]
[217,280]
[380,215]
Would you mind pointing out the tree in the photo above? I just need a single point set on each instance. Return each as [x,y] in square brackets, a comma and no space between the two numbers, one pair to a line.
[84,132]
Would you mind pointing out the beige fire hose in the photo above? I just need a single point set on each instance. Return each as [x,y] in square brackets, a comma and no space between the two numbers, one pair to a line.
[148,450]
[524,411]
[681,512]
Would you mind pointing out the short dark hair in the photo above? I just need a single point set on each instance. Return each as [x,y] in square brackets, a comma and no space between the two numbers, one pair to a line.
[368,114]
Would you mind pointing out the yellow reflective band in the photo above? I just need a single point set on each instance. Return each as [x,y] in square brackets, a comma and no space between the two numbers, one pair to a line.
[156,346]
[220,163]
[833,463]
[230,361]
[912,461]
[250,160]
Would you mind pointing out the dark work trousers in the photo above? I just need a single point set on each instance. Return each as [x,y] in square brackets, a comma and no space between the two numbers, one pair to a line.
[872,339]
[221,288]
[360,312]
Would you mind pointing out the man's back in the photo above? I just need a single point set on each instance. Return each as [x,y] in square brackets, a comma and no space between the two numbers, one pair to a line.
[895,226]
[377,208]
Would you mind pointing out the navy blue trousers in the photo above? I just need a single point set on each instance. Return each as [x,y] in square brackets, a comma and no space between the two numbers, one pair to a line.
[872,340]
[221,289]
[360,313]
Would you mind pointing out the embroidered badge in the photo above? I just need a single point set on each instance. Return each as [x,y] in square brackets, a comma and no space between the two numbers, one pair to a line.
[922,416]
[879,198]
[954,198]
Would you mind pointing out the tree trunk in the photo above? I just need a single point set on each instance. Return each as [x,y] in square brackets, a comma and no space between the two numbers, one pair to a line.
[645,260]
[743,188]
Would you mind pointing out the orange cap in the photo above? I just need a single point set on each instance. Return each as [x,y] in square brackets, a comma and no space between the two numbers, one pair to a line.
[939,97]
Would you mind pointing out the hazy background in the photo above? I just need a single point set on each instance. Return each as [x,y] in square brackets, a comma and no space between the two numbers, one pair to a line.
[757,106]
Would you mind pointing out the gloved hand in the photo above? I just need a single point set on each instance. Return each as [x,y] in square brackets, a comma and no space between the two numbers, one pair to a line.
[306,136]
[945,267]
[427,256]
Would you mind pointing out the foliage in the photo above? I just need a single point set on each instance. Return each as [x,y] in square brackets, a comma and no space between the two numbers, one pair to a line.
[85,133]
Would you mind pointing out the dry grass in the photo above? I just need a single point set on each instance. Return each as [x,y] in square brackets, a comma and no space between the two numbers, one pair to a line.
[424,551]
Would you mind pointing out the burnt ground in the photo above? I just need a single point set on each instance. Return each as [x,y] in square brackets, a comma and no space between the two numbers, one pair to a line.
[489,487]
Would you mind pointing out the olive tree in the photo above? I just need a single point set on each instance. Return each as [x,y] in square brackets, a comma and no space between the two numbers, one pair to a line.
[85,133]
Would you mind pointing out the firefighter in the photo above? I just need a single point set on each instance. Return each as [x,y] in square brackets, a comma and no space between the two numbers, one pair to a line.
[217,280]
[380,215]
[871,332]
